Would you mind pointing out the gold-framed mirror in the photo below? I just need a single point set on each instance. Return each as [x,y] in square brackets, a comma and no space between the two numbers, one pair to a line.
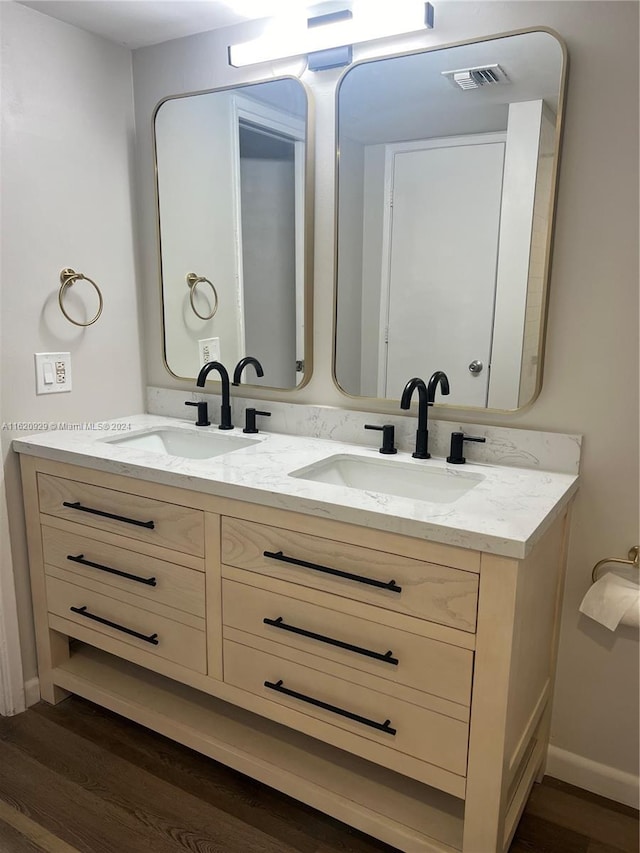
[234,195]
[447,164]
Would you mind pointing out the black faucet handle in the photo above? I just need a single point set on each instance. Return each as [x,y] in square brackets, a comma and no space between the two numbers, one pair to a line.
[388,437]
[203,412]
[457,442]
[250,419]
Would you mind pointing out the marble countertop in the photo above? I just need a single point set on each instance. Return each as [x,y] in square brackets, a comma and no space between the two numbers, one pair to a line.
[505,513]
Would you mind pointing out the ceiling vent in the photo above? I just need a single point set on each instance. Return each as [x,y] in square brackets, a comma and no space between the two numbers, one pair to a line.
[476,78]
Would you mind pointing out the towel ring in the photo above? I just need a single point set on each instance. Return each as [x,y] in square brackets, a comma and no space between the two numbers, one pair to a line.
[633,560]
[69,277]
[193,281]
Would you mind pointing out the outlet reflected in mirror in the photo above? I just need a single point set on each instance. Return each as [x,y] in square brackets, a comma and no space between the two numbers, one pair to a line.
[231,171]
[446,183]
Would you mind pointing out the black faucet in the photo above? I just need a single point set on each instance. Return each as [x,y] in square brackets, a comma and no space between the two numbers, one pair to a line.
[225,411]
[426,396]
[244,362]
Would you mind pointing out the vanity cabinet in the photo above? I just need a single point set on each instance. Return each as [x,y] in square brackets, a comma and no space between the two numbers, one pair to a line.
[400,685]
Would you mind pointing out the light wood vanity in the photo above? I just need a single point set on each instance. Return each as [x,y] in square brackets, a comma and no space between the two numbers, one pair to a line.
[400,685]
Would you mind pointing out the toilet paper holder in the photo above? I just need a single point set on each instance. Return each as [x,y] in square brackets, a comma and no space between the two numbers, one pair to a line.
[633,560]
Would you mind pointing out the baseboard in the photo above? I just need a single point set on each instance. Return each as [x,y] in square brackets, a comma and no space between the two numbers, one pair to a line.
[598,778]
[32,691]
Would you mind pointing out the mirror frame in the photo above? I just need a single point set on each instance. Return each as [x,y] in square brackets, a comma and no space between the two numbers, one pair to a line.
[308,234]
[381,404]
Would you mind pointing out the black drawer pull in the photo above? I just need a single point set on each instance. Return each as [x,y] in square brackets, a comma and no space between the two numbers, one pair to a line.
[382,727]
[392,586]
[78,505]
[80,559]
[82,611]
[279,623]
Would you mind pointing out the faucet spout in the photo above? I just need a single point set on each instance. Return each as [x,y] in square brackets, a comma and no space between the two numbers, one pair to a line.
[225,410]
[438,378]
[245,362]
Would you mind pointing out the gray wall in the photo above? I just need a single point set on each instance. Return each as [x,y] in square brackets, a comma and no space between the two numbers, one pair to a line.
[67,145]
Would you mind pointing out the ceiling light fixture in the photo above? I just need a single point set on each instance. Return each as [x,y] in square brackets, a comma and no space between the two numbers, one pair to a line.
[330,36]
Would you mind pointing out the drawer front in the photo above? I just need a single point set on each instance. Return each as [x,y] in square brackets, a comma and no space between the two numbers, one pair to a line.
[401,726]
[135,517]
[394,655]
[142,579]
[166,638]
[426,590]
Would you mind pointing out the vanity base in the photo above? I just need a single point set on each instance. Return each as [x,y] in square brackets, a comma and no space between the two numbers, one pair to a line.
[391,807]
[485,628]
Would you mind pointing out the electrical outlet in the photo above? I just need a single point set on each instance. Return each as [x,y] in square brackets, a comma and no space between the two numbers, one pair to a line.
[209,350]
[53,372]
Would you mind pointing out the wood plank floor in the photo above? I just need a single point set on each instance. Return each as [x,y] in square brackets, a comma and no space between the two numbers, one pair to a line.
[76,778]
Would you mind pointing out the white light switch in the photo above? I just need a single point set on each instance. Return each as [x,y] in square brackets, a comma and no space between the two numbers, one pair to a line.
[208,350]
[53,372]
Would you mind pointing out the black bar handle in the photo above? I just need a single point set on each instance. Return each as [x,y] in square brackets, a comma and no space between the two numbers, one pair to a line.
[82,611]
[392,586]
[381,727]
[80,559]
[280,623]
[78,505]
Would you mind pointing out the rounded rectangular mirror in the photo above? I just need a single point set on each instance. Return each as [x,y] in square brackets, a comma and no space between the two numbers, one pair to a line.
[447,163]
[231,170]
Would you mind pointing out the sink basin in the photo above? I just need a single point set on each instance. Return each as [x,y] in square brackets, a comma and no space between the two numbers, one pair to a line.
[182,442]
[402,479]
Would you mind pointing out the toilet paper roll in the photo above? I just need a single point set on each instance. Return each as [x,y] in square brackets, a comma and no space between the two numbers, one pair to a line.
[613,601]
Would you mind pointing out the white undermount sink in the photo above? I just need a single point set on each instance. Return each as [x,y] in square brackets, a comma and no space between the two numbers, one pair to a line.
[403,479]
[182,442]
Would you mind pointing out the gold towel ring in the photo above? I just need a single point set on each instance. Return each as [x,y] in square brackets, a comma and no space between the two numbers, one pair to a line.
[69,277]
[193,281]
[632,561]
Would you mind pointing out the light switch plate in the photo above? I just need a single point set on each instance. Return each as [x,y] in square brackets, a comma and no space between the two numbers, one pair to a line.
[53,372]
[208,350]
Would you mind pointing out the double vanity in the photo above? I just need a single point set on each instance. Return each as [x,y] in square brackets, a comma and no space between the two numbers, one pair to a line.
[373,635]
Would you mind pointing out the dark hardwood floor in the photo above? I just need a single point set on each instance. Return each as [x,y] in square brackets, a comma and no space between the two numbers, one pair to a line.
[77,778]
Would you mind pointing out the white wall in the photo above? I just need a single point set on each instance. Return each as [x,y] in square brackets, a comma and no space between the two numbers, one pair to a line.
[67,144]
[591,366]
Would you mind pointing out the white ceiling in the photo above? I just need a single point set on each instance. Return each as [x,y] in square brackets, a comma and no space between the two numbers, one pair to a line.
[137,23]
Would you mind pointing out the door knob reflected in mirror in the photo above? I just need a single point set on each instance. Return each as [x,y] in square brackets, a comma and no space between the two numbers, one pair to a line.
[476,367]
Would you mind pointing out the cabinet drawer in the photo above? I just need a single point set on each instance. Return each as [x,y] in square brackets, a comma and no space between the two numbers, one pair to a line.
[166,638]
[389,653]
[130,573]
[136,517]
[401,726]
[438,593]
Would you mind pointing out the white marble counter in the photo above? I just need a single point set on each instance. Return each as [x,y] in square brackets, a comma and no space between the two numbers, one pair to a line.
[505,513]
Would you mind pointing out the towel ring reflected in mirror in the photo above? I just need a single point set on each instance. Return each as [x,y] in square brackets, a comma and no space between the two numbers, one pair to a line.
[68,277]
[193,281]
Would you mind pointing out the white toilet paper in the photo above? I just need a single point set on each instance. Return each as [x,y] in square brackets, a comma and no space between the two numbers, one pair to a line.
[613,601]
